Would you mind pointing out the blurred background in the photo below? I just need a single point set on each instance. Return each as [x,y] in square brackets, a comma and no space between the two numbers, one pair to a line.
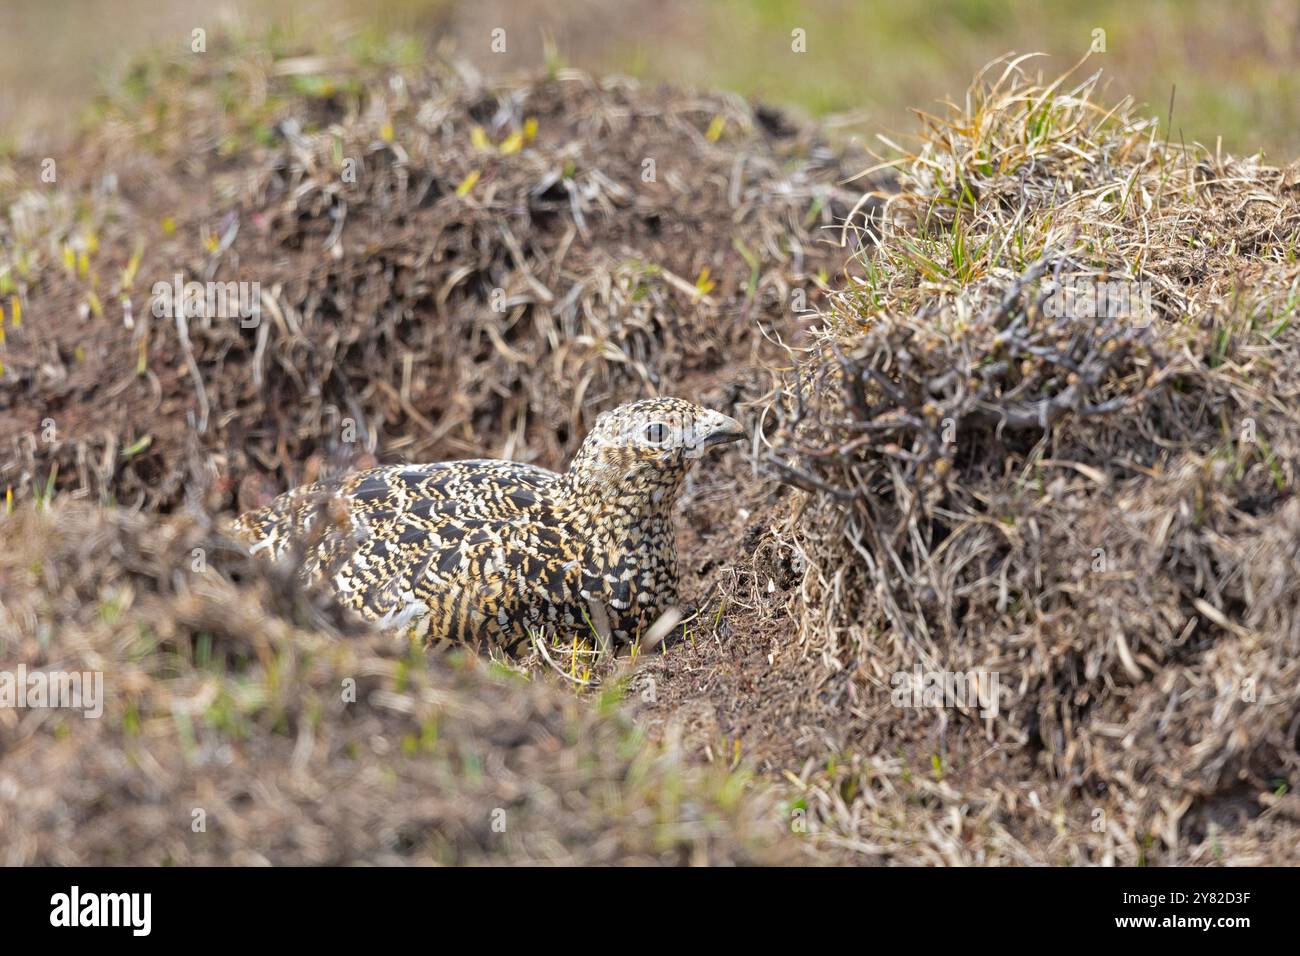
[1235,66]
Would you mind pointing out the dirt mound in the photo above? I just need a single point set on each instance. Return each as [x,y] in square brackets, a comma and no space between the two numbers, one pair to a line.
[243,723]
[1047,436]
[442,269]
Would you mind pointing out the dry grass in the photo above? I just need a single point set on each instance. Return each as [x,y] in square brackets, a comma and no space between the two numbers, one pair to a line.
[227,692]
[445,269]
[1099,509]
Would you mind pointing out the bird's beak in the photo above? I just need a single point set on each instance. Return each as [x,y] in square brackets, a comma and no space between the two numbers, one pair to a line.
[718,429]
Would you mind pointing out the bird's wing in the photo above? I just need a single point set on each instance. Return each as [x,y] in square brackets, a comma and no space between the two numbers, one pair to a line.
[462,578]
[460,548]
[324,516]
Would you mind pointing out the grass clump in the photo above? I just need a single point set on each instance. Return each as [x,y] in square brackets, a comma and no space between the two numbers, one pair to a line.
[1008,469]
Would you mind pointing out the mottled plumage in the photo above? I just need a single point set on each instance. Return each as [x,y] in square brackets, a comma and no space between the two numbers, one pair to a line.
[491,551]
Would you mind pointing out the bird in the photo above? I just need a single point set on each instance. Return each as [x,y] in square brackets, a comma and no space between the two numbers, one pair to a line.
[498,553]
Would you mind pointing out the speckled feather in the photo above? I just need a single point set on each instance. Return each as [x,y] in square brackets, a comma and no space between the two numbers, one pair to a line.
[487,552]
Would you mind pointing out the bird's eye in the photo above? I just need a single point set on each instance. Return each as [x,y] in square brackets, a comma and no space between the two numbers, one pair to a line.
[656,433]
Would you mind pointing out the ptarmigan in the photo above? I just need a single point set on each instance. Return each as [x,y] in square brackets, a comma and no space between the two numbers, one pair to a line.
[491,552]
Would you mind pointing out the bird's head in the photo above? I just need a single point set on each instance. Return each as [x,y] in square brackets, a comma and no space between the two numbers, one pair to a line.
[647,447]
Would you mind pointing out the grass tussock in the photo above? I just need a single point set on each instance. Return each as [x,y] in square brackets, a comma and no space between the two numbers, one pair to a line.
[1094,503]
[444,269]
[244,722]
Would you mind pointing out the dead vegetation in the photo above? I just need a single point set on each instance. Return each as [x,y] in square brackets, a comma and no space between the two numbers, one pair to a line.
[1096,504]
[444,269]
[244,723]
